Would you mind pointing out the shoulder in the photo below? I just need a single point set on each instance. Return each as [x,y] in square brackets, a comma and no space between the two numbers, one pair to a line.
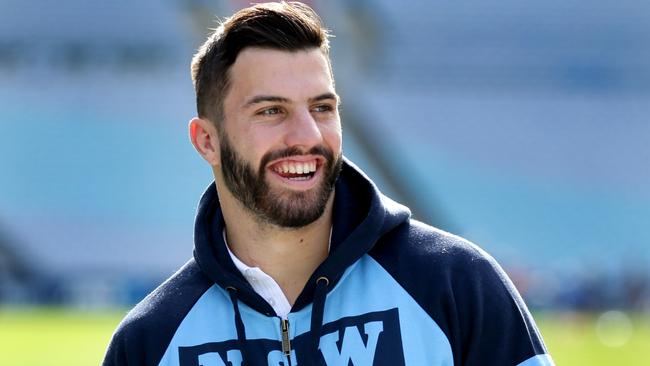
[464,290]
[143,335]
[437,267]
[435,251]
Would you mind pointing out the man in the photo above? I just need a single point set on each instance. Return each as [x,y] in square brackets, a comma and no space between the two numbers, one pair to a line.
[299,259]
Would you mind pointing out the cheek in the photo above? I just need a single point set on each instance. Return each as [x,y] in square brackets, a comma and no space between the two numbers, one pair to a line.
[332,135]
[261,142]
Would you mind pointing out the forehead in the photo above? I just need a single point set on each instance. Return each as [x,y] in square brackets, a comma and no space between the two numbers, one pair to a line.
[294,75]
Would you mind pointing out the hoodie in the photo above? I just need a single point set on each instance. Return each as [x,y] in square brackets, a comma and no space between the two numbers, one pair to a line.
[393,291]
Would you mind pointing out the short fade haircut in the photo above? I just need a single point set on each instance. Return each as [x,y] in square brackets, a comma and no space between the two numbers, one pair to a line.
[288,26]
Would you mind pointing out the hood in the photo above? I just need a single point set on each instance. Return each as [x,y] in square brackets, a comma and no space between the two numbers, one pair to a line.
[361,215]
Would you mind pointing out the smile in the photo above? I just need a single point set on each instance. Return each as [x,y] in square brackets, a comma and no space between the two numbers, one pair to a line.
[294,170]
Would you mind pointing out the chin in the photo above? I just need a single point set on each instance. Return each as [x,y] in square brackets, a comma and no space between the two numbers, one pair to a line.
[296,209]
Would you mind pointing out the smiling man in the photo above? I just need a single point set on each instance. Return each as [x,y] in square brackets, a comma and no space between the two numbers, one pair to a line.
[299,259]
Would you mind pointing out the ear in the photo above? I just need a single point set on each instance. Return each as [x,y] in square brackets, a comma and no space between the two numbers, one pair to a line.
[204,137]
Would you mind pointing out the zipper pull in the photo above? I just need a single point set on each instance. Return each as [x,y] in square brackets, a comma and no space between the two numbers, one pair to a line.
[286,345]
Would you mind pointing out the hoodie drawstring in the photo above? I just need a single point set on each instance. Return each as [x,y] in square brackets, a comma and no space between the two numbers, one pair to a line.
[239,324]
[317,311]
[318,308]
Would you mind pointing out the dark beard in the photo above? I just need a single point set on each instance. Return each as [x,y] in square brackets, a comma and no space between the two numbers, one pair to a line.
[287,208]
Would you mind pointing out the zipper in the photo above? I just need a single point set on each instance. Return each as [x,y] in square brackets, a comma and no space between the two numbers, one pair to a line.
[286,344]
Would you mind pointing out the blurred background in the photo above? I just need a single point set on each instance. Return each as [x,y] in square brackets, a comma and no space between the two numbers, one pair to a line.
[524,127]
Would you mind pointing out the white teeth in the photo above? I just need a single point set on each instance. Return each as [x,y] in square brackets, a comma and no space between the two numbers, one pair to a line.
[296,168]
[299,178]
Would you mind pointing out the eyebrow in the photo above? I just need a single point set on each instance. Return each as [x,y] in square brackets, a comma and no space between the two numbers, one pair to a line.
[276,99]
[324,96]
[265,98]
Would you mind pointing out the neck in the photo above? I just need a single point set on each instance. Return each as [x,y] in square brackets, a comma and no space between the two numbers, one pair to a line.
[288,255]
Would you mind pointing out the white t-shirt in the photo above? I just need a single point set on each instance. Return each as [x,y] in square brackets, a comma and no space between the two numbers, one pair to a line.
[263,284]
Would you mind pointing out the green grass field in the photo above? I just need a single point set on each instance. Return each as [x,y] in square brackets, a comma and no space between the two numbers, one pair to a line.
[55,337]
[59,337]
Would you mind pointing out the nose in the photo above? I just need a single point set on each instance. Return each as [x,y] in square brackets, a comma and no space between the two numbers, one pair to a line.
[303,131]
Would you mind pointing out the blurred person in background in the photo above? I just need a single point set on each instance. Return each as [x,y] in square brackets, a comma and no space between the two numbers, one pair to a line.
[298,258]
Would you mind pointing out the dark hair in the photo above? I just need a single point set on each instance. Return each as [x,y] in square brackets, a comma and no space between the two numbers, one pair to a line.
[290,26]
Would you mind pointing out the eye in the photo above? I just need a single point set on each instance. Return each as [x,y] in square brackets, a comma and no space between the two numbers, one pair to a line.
[323,108]
[269,111]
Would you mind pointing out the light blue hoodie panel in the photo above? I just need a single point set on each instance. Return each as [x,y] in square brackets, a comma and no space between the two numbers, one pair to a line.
[367,288]
[539,360]
[367,317]
[211,321]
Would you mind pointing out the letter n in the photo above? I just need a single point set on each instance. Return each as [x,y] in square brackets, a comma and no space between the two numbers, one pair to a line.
[213,358]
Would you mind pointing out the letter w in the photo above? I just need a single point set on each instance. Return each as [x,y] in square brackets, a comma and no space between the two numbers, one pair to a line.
[352,348]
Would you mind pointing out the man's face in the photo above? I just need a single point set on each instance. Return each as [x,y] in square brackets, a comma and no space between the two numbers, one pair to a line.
[281,138]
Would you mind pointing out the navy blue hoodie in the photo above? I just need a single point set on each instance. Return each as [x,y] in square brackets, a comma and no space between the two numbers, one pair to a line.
[393,291]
